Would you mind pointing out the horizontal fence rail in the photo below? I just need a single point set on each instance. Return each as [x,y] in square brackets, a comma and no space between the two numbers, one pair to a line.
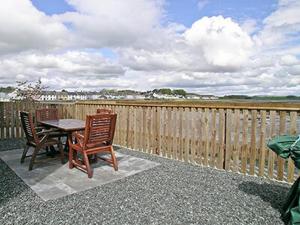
[230,136]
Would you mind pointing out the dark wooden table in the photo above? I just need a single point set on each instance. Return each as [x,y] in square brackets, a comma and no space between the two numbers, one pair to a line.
[67,125]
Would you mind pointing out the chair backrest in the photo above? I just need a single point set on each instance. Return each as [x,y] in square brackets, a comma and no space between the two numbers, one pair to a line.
[46,114]
[104,111]
[99,129]
[28,127]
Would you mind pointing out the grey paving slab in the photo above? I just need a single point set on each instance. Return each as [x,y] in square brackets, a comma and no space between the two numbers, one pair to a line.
[51,180]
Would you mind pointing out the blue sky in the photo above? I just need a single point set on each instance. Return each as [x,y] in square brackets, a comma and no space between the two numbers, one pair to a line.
[51,7]
[206,46]
[187,11]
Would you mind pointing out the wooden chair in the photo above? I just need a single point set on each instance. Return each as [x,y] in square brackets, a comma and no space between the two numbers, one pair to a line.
[49,114]
[37,140]
[46,114]
[104,111]
[98,137]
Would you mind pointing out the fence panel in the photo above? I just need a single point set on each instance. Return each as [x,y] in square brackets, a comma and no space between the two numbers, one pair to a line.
[228,136]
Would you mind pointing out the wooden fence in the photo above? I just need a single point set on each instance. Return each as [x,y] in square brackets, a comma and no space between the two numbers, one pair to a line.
[230,136]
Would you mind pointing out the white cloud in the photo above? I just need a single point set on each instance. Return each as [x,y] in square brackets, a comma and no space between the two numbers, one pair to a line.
[23,27]
[113,23]
[211,44]
[282,26]
[250,26]
[222,41]
[215,55]
[78,68]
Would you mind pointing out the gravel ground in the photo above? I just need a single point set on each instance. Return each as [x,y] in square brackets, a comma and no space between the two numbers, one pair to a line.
[172,193]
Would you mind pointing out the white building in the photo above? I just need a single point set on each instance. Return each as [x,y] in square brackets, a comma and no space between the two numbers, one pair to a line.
[49,96]
[160,96]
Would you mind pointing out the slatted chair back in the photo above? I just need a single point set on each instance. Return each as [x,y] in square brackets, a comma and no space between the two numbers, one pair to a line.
[99,129]
[28,127]
[104,111]
[46,114]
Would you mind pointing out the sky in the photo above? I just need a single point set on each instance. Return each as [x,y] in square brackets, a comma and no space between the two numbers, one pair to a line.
[219,47]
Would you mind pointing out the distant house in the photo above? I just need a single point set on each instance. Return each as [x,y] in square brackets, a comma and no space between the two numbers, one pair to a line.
[49,96]
[134,97]
[163,96]
[193,96]
[72,96]
[63,95]
[209,97]
[93,95]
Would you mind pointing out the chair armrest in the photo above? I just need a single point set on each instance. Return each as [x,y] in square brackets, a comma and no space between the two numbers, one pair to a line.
[79,138]
[44,138]
[78,135]
[44,132]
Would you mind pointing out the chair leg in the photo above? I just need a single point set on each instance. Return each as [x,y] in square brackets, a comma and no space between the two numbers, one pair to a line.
[113,157]
[26,147]
[60,147]
[87,164]
[71,165]
[35,152]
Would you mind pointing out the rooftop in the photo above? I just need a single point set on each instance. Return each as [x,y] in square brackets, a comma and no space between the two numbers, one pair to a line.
[171,193]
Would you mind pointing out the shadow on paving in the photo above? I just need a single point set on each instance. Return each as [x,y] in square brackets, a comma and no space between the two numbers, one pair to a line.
[271,193]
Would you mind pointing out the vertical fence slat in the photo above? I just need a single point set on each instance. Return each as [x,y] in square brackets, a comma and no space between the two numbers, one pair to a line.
[213,137]
[164,138]
[221,138]
[253,141]
[193,135]
[281,161]
[205,136]
[228,145]
[244,155]
[187,134]
[272,155]
[293,131]
[17,119]
[174,131]
[13,118]
[169,132]
[262,144]
[7,120]
[236,146]
[199,148]
[2,120]
[144,143]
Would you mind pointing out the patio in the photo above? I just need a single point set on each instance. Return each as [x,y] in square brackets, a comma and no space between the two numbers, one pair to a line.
[170,193]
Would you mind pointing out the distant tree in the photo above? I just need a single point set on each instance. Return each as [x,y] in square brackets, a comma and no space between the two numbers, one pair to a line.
[291,97]
[165,91]
[179,92]
[155,91]
[29,91]
[8,89]
[237,97]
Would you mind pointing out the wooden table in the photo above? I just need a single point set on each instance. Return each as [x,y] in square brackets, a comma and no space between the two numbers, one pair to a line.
[67,125]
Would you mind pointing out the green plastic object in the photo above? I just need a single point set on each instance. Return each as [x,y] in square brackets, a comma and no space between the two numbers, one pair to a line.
[287,146]
[291,209]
